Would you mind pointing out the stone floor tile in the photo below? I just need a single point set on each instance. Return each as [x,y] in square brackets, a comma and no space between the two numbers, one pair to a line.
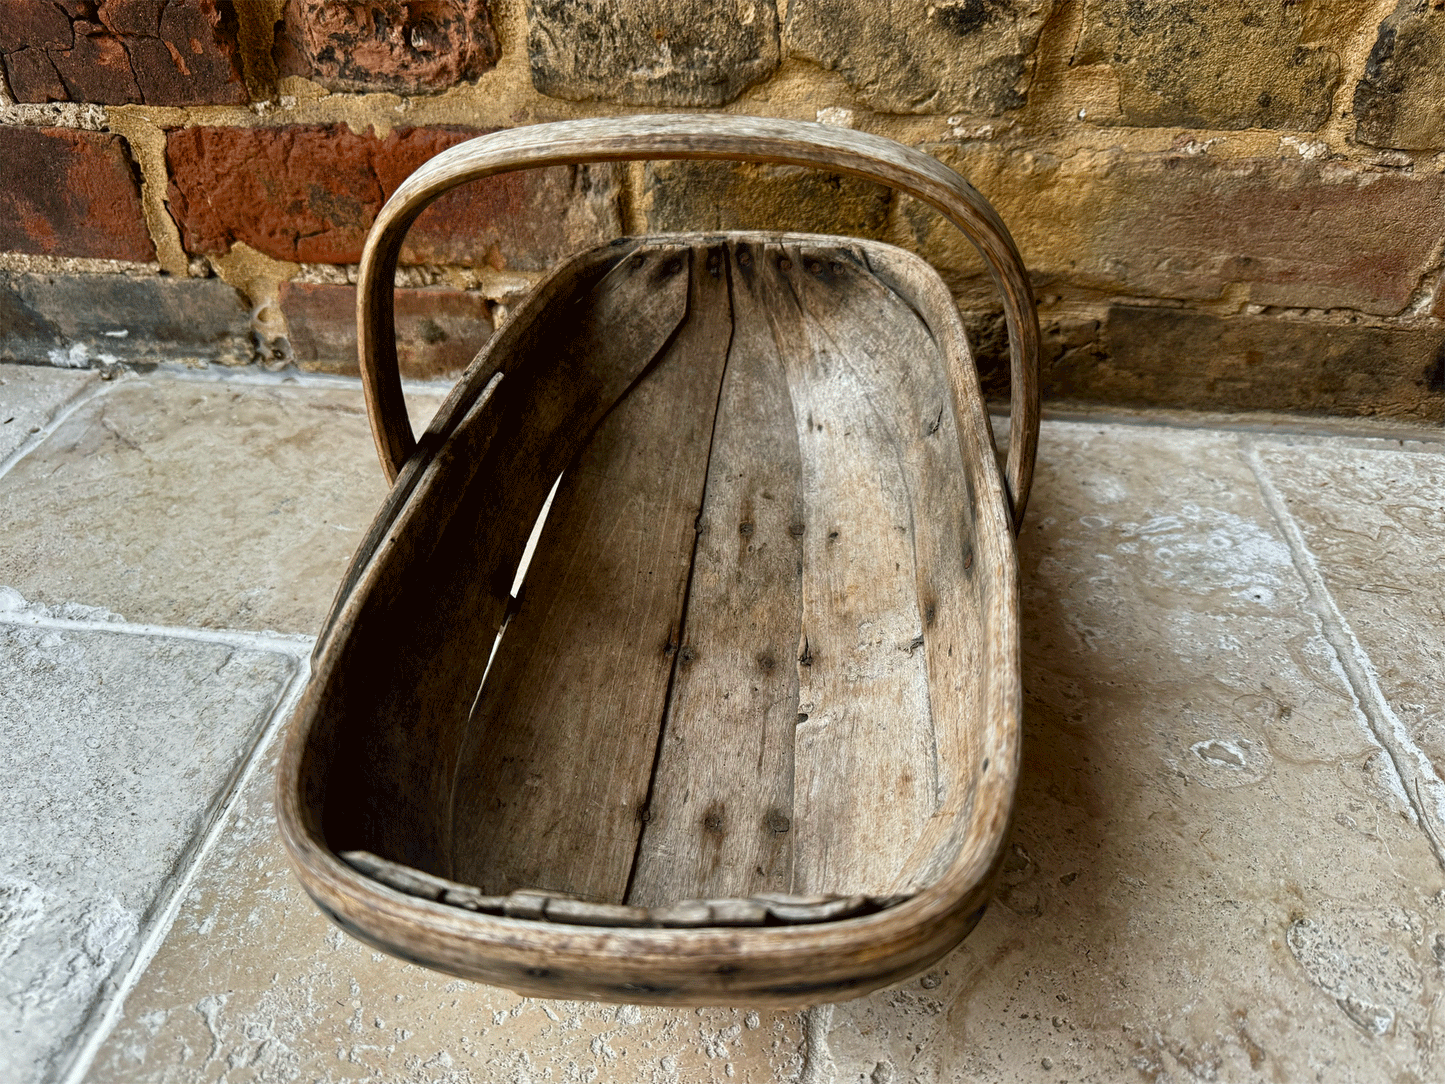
[118,752]
[182,502]
[1373,519]
[1214,874]
[29,397]
[254,986]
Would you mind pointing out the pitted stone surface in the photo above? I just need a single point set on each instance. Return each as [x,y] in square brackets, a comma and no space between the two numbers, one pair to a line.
[1255,64]
[651,52]
[969,56]
[255,986]
[1214,874]
[1398,98]
[683,196]
[1373,517]
[1256,363]
[29,397]
[119,749]
[1187,225]
[179,502]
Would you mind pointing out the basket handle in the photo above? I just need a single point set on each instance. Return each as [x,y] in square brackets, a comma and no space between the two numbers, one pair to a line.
[711,136]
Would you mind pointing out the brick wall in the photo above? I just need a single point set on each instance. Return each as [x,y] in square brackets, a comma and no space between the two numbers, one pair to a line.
[1228,205]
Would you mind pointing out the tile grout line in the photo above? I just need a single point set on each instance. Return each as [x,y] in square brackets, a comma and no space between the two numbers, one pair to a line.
[818,1066]
[103,1019]
[246,377]
[57,419]
[294,646]
[1423,788]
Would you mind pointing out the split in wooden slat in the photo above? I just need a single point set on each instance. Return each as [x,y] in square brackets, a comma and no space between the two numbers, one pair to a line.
[421,639]
[720,818]
[554,773]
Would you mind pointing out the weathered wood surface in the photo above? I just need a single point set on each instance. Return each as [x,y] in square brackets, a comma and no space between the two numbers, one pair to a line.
[867,389]
[893,822]
[951,584]
[720,819]
[828,596]
[897,797]
[428,607]
[552,780]
[514,346]
[567,909]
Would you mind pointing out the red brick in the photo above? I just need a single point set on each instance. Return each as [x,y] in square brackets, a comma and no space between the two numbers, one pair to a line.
[308,193]
[32,77]
[160,52]
[374,46]
[70,193]
[35,23]
[1293,233]
[438,330]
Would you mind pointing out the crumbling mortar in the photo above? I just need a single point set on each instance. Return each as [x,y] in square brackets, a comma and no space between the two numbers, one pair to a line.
[85,116]
[148,150]
[28,263]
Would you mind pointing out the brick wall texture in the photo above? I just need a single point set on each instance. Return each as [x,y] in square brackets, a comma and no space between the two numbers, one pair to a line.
[1224,206]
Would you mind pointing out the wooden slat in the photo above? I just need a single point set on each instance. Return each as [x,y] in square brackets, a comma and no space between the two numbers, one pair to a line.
[533,333]
[945,489]
[398,696]
[720,816]
[555,771]
[865,776]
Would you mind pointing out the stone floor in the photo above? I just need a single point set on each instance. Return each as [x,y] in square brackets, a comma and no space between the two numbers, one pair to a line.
[1227,862]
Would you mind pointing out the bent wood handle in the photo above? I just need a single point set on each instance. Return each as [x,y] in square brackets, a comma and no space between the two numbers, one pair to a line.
[746,139]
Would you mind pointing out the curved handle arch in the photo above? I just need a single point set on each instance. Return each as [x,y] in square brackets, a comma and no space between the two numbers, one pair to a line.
[684,136]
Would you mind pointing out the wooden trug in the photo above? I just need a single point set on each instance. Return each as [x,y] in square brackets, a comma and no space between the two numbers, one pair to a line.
[749,732]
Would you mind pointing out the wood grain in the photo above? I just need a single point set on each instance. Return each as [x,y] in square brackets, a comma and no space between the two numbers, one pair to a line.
[720,819]
[552,780]
[864,773]
[871,347]
[435,596]
[945,485]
